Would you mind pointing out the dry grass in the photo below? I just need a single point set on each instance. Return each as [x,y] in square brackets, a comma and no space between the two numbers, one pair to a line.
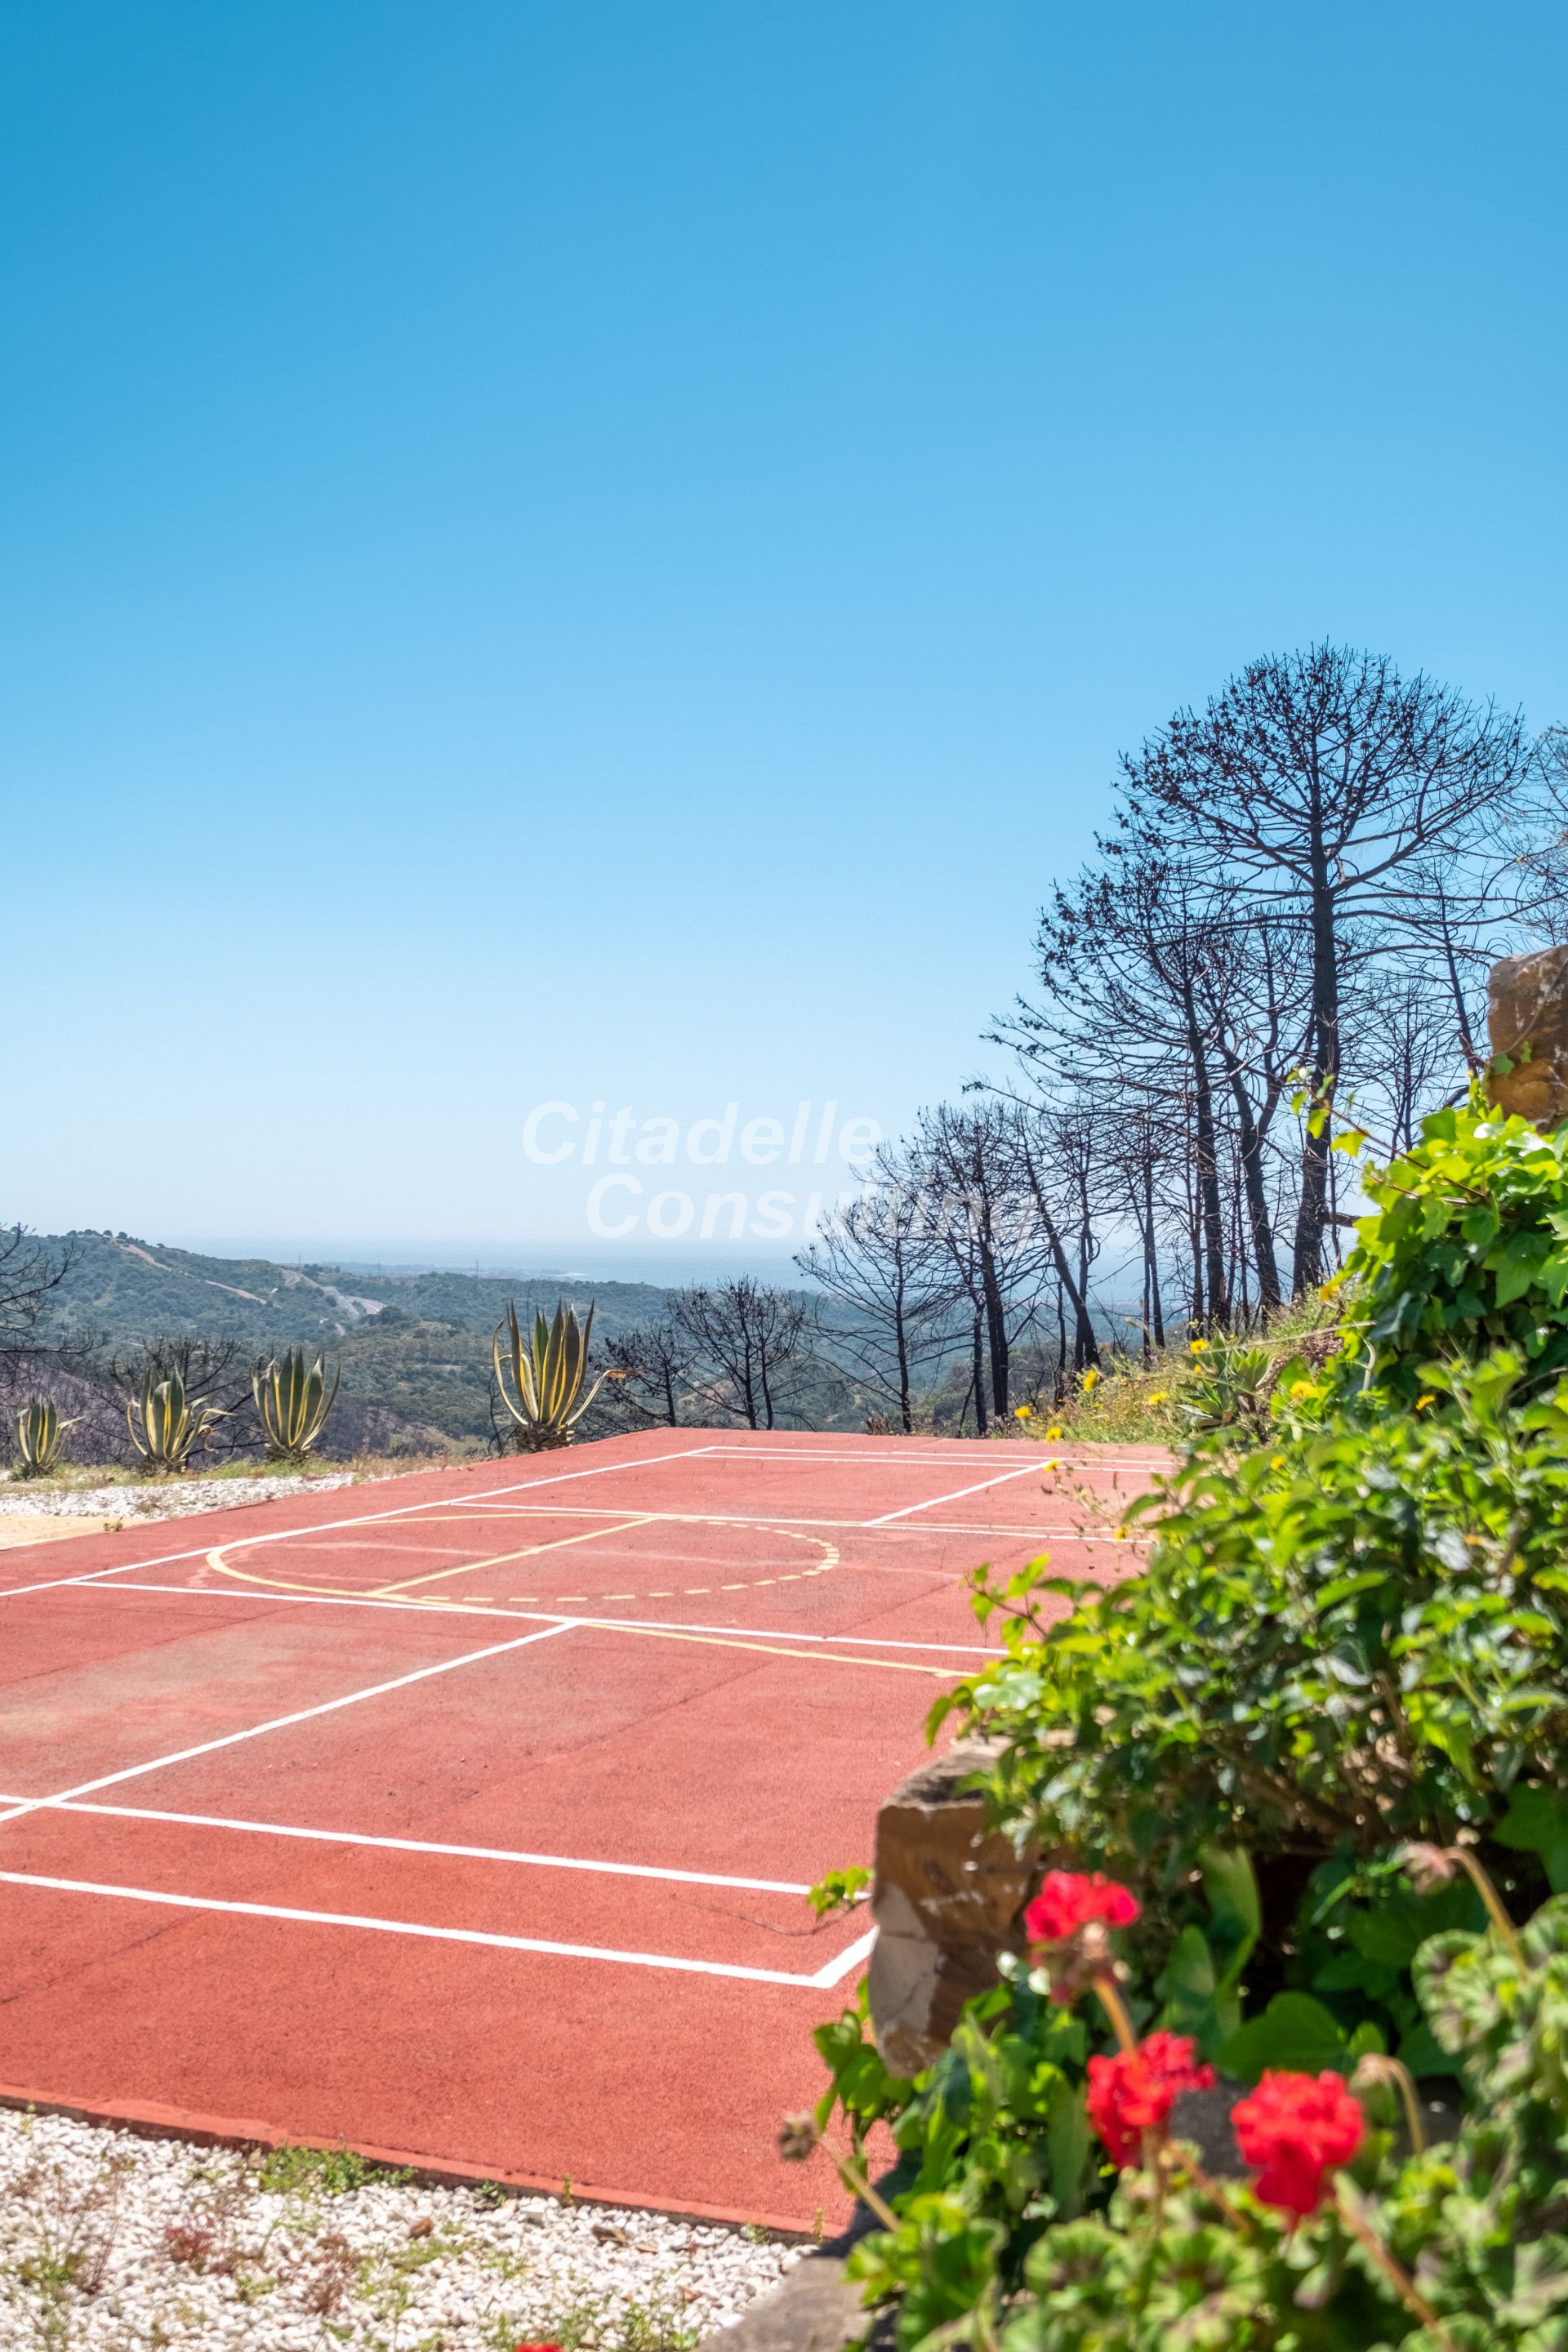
[1131,1403]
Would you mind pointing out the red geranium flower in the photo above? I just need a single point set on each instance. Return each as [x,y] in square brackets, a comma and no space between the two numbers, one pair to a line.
[1296,2127]
[1134,2092]
[1069,1899]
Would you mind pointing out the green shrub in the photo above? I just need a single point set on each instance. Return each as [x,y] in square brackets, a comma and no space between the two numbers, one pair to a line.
[1458,2245]
[1467,1251]
[1355,1631]
[1351,1631]
[1037,2244]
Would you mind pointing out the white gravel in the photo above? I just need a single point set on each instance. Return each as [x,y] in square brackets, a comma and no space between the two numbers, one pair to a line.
[173,1499]
[109,2241]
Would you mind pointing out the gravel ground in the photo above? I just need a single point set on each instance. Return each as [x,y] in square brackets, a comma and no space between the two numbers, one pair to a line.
[110,2242]
[175,1500]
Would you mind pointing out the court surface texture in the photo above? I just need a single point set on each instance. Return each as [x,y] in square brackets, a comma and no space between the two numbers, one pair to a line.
[467,1818]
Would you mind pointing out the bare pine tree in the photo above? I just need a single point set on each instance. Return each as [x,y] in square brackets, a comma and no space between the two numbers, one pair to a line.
[649,1378]
[748,1341]
[1328,789]
[882,1262]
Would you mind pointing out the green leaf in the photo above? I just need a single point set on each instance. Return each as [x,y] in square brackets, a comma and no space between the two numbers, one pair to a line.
[1295,2033]
[1231,1888]
[1068,2142]
[1421,2052]
[1536,1821]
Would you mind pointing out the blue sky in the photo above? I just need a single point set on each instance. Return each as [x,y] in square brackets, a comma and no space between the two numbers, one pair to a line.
[604,553]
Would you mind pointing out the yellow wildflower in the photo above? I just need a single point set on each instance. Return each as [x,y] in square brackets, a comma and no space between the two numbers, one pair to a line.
[1277,1462]
[1090,1378]
[1303,1389]
[1158,1396]
[1198,1347]
[1053,1433]
[1022,1411]
[1423,1401]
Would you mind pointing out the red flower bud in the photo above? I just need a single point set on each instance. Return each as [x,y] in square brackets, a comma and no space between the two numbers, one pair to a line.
[1069,1899]
[1297,2128]
[1134,2092]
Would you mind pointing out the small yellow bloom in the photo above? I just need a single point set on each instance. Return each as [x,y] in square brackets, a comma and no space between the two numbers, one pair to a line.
[1303,1389]
[1423,1401]
[1121,1535]
[1198,1347]
[1052,1434]
[1022,1411]
[1158,1396]
[1277,1462]
[1090,1378]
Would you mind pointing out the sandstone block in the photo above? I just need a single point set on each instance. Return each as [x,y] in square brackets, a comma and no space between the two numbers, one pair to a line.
[948,1895]
[1526,1016]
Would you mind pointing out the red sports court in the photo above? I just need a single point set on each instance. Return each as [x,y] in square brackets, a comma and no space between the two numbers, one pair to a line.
[467,1818]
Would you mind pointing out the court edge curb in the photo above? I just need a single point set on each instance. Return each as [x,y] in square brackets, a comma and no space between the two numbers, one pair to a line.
[151,2121]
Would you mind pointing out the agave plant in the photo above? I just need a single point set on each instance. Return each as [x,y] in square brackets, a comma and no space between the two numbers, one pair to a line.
[541,1383]
[166,1426]
[293,1400]
[40,1439]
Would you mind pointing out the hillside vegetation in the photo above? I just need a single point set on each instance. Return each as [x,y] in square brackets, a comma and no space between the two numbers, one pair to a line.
[414,1348]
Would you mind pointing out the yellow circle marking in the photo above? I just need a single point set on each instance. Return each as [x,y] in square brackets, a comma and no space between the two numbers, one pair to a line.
[407,1589]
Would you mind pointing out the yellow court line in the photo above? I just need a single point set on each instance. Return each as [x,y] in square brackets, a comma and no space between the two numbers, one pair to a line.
[622,1524]
[285,1584]
[469,1568]
[605,1625]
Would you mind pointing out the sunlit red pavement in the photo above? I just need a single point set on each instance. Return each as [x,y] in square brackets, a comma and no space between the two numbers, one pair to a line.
[464,1817]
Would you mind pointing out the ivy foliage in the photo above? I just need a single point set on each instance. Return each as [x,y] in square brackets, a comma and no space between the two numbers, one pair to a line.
[1466,1251]
[1351,1631]
[1355,1631]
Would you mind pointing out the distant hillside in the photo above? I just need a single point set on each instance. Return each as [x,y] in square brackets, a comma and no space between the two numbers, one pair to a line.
[126,1291]
[414,1348]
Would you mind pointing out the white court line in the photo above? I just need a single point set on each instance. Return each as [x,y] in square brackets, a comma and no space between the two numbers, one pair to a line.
[282,1722]
[821,1981]
[1029,1470]
[763,1519]
[408,1845]
[525,1485]
[330,1526]
[939,1462]
[538,1616]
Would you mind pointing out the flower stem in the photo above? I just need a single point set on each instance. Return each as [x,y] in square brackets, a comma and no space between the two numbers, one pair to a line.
[854,2178]
[1493,1900]
[1115,2008]
[1376,2066]
[1404,2285]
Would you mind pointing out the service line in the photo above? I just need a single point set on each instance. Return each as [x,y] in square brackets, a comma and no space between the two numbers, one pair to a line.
[408,1845]
[291,1599]
[823,1977]
[1029,1470]
[301,1715]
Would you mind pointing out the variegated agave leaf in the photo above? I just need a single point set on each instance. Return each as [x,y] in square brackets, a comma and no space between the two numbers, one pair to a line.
[541,1383]
[165,1425]
[293,1400]
[40,1438]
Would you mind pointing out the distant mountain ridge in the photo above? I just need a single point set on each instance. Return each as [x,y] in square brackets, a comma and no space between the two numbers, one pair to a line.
[125,1291]
[414,1348]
